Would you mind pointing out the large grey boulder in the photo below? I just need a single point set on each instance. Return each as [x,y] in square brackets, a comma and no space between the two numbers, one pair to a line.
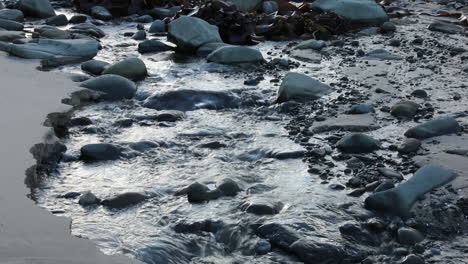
[235,54]
[9,36]
[37,8]
[434,128]
[157,26]
[246,5]
[113,86]
[11,25]
[12,14]
[99,152]
[47,48]
[131,68]
[399,200]
[363,11]
[300,86]
[101,13]
[189,33]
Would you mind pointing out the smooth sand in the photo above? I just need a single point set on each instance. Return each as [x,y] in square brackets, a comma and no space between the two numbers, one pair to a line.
[29,234]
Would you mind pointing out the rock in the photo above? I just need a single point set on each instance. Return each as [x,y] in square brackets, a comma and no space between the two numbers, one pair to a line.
[300,86]
[399,200]
[47,48]
[389,173]
[394,43]
[189,100]
[246,5]
[124,200]
[311,44]
[385,185]
[361,109]
[208,48]
[143,146]
[409,236]
[101,13]
[87,29]
[419,93]
[197,193]
[352,232]
[157,26]
[262,206]
[235,54]
[95,67]
[434,128]
[80,121]
[357,143]
[60,20]
[101,151]
[306,55]
[153,45]
[364,11]
[190,33]
[381,54]
[53,33]
[114,87]
[262,247]
[405,109]
[445,27]
[351,123]
[228,187]
[78,19]
[413,259]
[12,14]
[278,235]
[11,25]
[88,198]
[144,19]
[409,145]
[60,61]
[162,13]
[10,36]
[388,27]
[131,68]
[169,116]
[69,195]
[139,35]
[36,8]
[269,7]
[312,252]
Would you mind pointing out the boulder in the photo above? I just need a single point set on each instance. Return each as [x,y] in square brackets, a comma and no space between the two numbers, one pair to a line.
[113,87]
[360,109]
[246,5]
[235,54]
[88,199]
[358,143]
[228,187]
[47,48]
[36,8]
[278,235]
[405,109]
[78,19]
[262,206]
[361,11]
[95,67]
[100,152]
[12,14]
[11,25]
[300,86]
[270,7]
[409,236]
[312,252]
[189,33]
[409,145]
[87,29]
[189,100]
[48,32]
[124,200]
[445,27]
[139,35]
[101,13]
[434,128]
[399,200]
[144,19]
[131,68]
[208,48]
[153,45]
[157,26]
[60,20]
[10,36]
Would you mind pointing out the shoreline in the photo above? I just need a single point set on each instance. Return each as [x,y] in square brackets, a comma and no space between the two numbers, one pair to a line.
[28,233]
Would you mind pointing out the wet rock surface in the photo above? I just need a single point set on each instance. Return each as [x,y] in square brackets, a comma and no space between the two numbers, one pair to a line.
[313,155]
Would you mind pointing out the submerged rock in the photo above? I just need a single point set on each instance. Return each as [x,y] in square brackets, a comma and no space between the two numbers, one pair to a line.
[312,252]
[188,100]
[113,87]
[300,86]
[363,11]
[124,200]
[434,128]
[278,235]
[399,200]
[47,48]
[189,33]
[100,151]
[131,68]
[358,143]
[235,54]
[262,206]
[228,187]
[88,199]
[36,8]
[153,45]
